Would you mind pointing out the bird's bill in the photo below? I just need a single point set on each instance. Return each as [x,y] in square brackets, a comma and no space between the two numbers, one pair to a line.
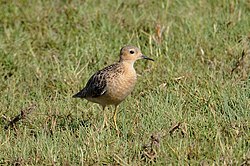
[145,57]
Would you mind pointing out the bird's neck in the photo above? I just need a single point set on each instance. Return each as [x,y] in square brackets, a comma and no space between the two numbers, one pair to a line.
[128,63]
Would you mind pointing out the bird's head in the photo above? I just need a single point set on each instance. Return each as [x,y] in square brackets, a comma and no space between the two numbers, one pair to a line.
[131,53]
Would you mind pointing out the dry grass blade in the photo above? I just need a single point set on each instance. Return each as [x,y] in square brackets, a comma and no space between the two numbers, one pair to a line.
[179,126]
[243,64]
[149,152]
[119,160]
[23,114]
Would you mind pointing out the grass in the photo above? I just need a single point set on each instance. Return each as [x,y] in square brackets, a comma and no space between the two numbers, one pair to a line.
[187,108]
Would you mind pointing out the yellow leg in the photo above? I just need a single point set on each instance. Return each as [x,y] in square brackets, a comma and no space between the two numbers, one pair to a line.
[115,119]
[105,122]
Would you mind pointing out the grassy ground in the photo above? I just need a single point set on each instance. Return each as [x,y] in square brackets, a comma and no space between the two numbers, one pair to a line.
[187,108]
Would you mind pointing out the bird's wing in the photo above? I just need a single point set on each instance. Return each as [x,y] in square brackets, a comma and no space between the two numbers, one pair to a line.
[96,86]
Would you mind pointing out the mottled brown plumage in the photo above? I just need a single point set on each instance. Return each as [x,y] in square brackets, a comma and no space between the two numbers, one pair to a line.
[111,85]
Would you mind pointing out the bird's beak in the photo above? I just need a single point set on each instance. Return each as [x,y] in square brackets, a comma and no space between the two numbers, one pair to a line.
[145,57]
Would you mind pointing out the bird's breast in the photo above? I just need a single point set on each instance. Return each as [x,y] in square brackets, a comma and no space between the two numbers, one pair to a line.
[120,87]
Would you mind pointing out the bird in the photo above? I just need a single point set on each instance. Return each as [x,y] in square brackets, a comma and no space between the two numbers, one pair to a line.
[112,84]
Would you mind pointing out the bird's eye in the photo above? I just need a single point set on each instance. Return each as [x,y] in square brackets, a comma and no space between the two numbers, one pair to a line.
[131,52]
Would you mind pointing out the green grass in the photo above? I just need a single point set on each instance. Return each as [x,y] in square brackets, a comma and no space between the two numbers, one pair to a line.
[196,112]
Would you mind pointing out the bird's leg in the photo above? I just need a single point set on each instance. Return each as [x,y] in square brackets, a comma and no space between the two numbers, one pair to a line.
[105,122]
[116,128]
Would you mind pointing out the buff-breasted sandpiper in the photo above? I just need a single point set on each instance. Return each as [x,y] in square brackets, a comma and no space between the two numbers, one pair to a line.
[111,85]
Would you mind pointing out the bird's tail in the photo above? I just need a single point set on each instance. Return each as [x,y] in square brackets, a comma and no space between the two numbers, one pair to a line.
[80,94]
